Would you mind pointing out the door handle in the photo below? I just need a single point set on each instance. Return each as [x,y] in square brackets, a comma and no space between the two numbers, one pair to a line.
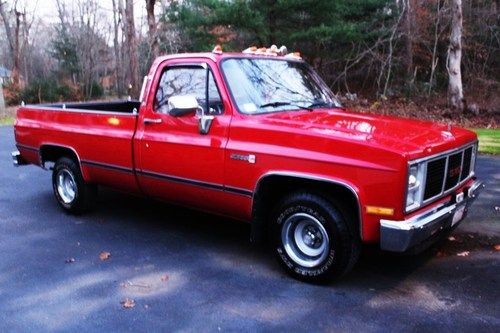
[152,121]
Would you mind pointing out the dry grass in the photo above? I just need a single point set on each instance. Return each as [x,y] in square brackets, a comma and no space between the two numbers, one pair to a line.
[8,117]
[432,109]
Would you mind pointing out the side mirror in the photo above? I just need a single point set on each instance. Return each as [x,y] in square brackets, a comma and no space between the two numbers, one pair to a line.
[182,105]
[204,123]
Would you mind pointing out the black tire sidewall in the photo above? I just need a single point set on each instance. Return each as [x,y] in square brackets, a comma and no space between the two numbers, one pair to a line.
[330,218]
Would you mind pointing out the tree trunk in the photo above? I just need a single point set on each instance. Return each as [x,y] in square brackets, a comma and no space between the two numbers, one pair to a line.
[17,58]
[152,33]
[409,22]
[118,56]
[132,49]
[26,49]
[3,111]
[455,92]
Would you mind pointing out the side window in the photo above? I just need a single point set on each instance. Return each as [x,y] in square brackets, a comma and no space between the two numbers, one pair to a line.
[187,81]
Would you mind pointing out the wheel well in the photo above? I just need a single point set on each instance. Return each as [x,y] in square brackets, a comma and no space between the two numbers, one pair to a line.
[51,153]
[271,189]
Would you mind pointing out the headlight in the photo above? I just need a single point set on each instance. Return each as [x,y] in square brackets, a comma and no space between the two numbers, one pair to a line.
[415,187]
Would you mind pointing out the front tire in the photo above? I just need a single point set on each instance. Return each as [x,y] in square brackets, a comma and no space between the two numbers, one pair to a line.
[311,238]
[73,194]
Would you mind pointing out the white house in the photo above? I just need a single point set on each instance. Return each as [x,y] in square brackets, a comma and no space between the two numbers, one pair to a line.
[5,75]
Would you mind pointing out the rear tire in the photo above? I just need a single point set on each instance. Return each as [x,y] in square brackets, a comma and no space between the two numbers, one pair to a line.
[311,238]
[73,194]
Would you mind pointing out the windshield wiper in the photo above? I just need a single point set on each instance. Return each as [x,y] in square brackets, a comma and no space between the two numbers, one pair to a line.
[278,104]
[323,104]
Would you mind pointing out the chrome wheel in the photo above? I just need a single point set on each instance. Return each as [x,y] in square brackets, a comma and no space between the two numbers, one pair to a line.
[66,186]
[305,240]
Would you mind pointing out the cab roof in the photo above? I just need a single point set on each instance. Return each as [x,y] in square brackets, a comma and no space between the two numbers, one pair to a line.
[252,52]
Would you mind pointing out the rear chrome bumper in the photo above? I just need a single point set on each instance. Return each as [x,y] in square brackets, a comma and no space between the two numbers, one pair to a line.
[17,159]
[400,236]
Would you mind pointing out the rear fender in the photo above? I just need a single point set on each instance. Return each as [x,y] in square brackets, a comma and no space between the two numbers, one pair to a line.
[51,152]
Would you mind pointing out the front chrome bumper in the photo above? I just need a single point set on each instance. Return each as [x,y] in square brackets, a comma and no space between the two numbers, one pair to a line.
[17,159]
[400,236]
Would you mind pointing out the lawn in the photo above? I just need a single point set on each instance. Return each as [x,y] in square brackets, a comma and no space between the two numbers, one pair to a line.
[8,116]
[489,140]
[6,121]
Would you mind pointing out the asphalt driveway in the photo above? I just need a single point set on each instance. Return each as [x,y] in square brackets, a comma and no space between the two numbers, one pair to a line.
[194,272]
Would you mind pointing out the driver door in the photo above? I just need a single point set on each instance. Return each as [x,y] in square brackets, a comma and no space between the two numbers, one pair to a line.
[176,163]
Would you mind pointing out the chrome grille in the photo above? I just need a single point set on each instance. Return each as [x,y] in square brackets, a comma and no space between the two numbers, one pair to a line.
[454,170]
[447,171]
[434,179]
[467,163]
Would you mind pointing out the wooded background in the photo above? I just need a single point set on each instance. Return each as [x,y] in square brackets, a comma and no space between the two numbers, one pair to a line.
[364,49]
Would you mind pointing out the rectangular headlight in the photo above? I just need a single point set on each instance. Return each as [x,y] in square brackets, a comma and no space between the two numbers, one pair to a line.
[415,186]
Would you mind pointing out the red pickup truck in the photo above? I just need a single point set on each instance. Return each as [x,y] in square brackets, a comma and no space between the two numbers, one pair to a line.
[259,137]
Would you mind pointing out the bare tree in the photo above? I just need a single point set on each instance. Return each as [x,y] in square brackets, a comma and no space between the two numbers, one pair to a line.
[87,43]
[435,58]
[26,26]
[66,21]
[409,30]
[169,35]
[152,29]
[117,20]
[12,33]
[387,63]
[131,45]
[455,91]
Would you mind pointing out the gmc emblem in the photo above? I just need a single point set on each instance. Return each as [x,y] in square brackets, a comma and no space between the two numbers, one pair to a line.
[454,172]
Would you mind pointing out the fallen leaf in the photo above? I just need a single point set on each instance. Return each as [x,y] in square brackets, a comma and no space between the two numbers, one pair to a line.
[132,284]
[128,303]
[497,247]
[104,255]
[70,260]
[463,254]
[164,278]
[452,239]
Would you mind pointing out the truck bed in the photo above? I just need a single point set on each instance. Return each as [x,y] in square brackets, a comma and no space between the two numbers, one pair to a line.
[100,135]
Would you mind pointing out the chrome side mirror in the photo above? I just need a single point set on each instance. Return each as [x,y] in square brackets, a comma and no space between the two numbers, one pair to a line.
[204,123]
[182,105]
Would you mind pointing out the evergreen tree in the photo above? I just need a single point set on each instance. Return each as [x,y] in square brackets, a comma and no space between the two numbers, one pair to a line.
[319,29]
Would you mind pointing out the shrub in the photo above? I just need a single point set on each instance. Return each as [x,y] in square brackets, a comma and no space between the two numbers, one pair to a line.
[49,90]
[11,94]
[42,91]
[95,90]
[39,91]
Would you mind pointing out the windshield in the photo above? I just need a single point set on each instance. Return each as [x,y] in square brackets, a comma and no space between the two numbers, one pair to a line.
[271,85]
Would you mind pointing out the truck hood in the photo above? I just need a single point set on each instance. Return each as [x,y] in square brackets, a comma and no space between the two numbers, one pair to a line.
[411,138]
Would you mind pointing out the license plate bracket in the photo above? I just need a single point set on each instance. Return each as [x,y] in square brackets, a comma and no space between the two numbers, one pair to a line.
[458,215]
